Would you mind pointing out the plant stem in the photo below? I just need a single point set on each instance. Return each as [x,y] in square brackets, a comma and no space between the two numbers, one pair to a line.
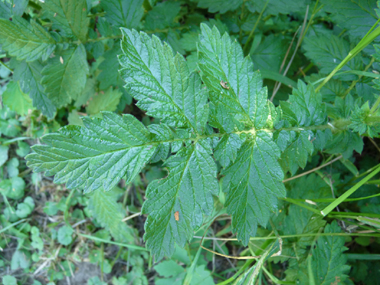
[367,39]
[327,200]
[295,202]
[371,120]
[342,198]
[360,77]
[229,280]
[6,66]
[254,28]
[112,242]
[313,170]
[66,214]
[294,53]
[374,107]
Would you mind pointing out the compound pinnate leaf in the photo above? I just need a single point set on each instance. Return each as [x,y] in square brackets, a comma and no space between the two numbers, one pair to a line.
[29,76]
[97,155]
[253,184]
[236,91]
[121,13]
[25,40]
[64,77]
[187,190]
[68,16]
[162,82]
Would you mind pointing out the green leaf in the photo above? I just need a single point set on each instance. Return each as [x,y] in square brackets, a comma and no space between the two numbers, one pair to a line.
[68,16]
[16,100]
[328,261]
[187,190]
[361,120]
[104,101]
[14,188]
[12,167]
[304,108]
[189,41]
[25,40]
[74,118]
[344,141]
[25,209]
[64,235]
[220,6]
[109,75]
[227,148]
[162,82]
[121,13]
[276,7]
[356,16]
[169,268]
[243,102]
[297,152]
[11,8]
[9,126]
[5,10]
[269,53]
[97,155]
[64,77]
[3,154]
[30,76]
[309,187]
[105,209]
[162,15]
[301,221]
[253,184]
[20,259]
[95,281]
[8,279]
[331,90]
[202,276]
[87,93]
[51,208]
[326,51]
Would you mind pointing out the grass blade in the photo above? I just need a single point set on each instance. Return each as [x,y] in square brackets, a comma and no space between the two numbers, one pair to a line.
[342,198]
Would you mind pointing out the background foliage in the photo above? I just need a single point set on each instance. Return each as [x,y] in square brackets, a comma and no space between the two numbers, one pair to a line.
[60,63]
